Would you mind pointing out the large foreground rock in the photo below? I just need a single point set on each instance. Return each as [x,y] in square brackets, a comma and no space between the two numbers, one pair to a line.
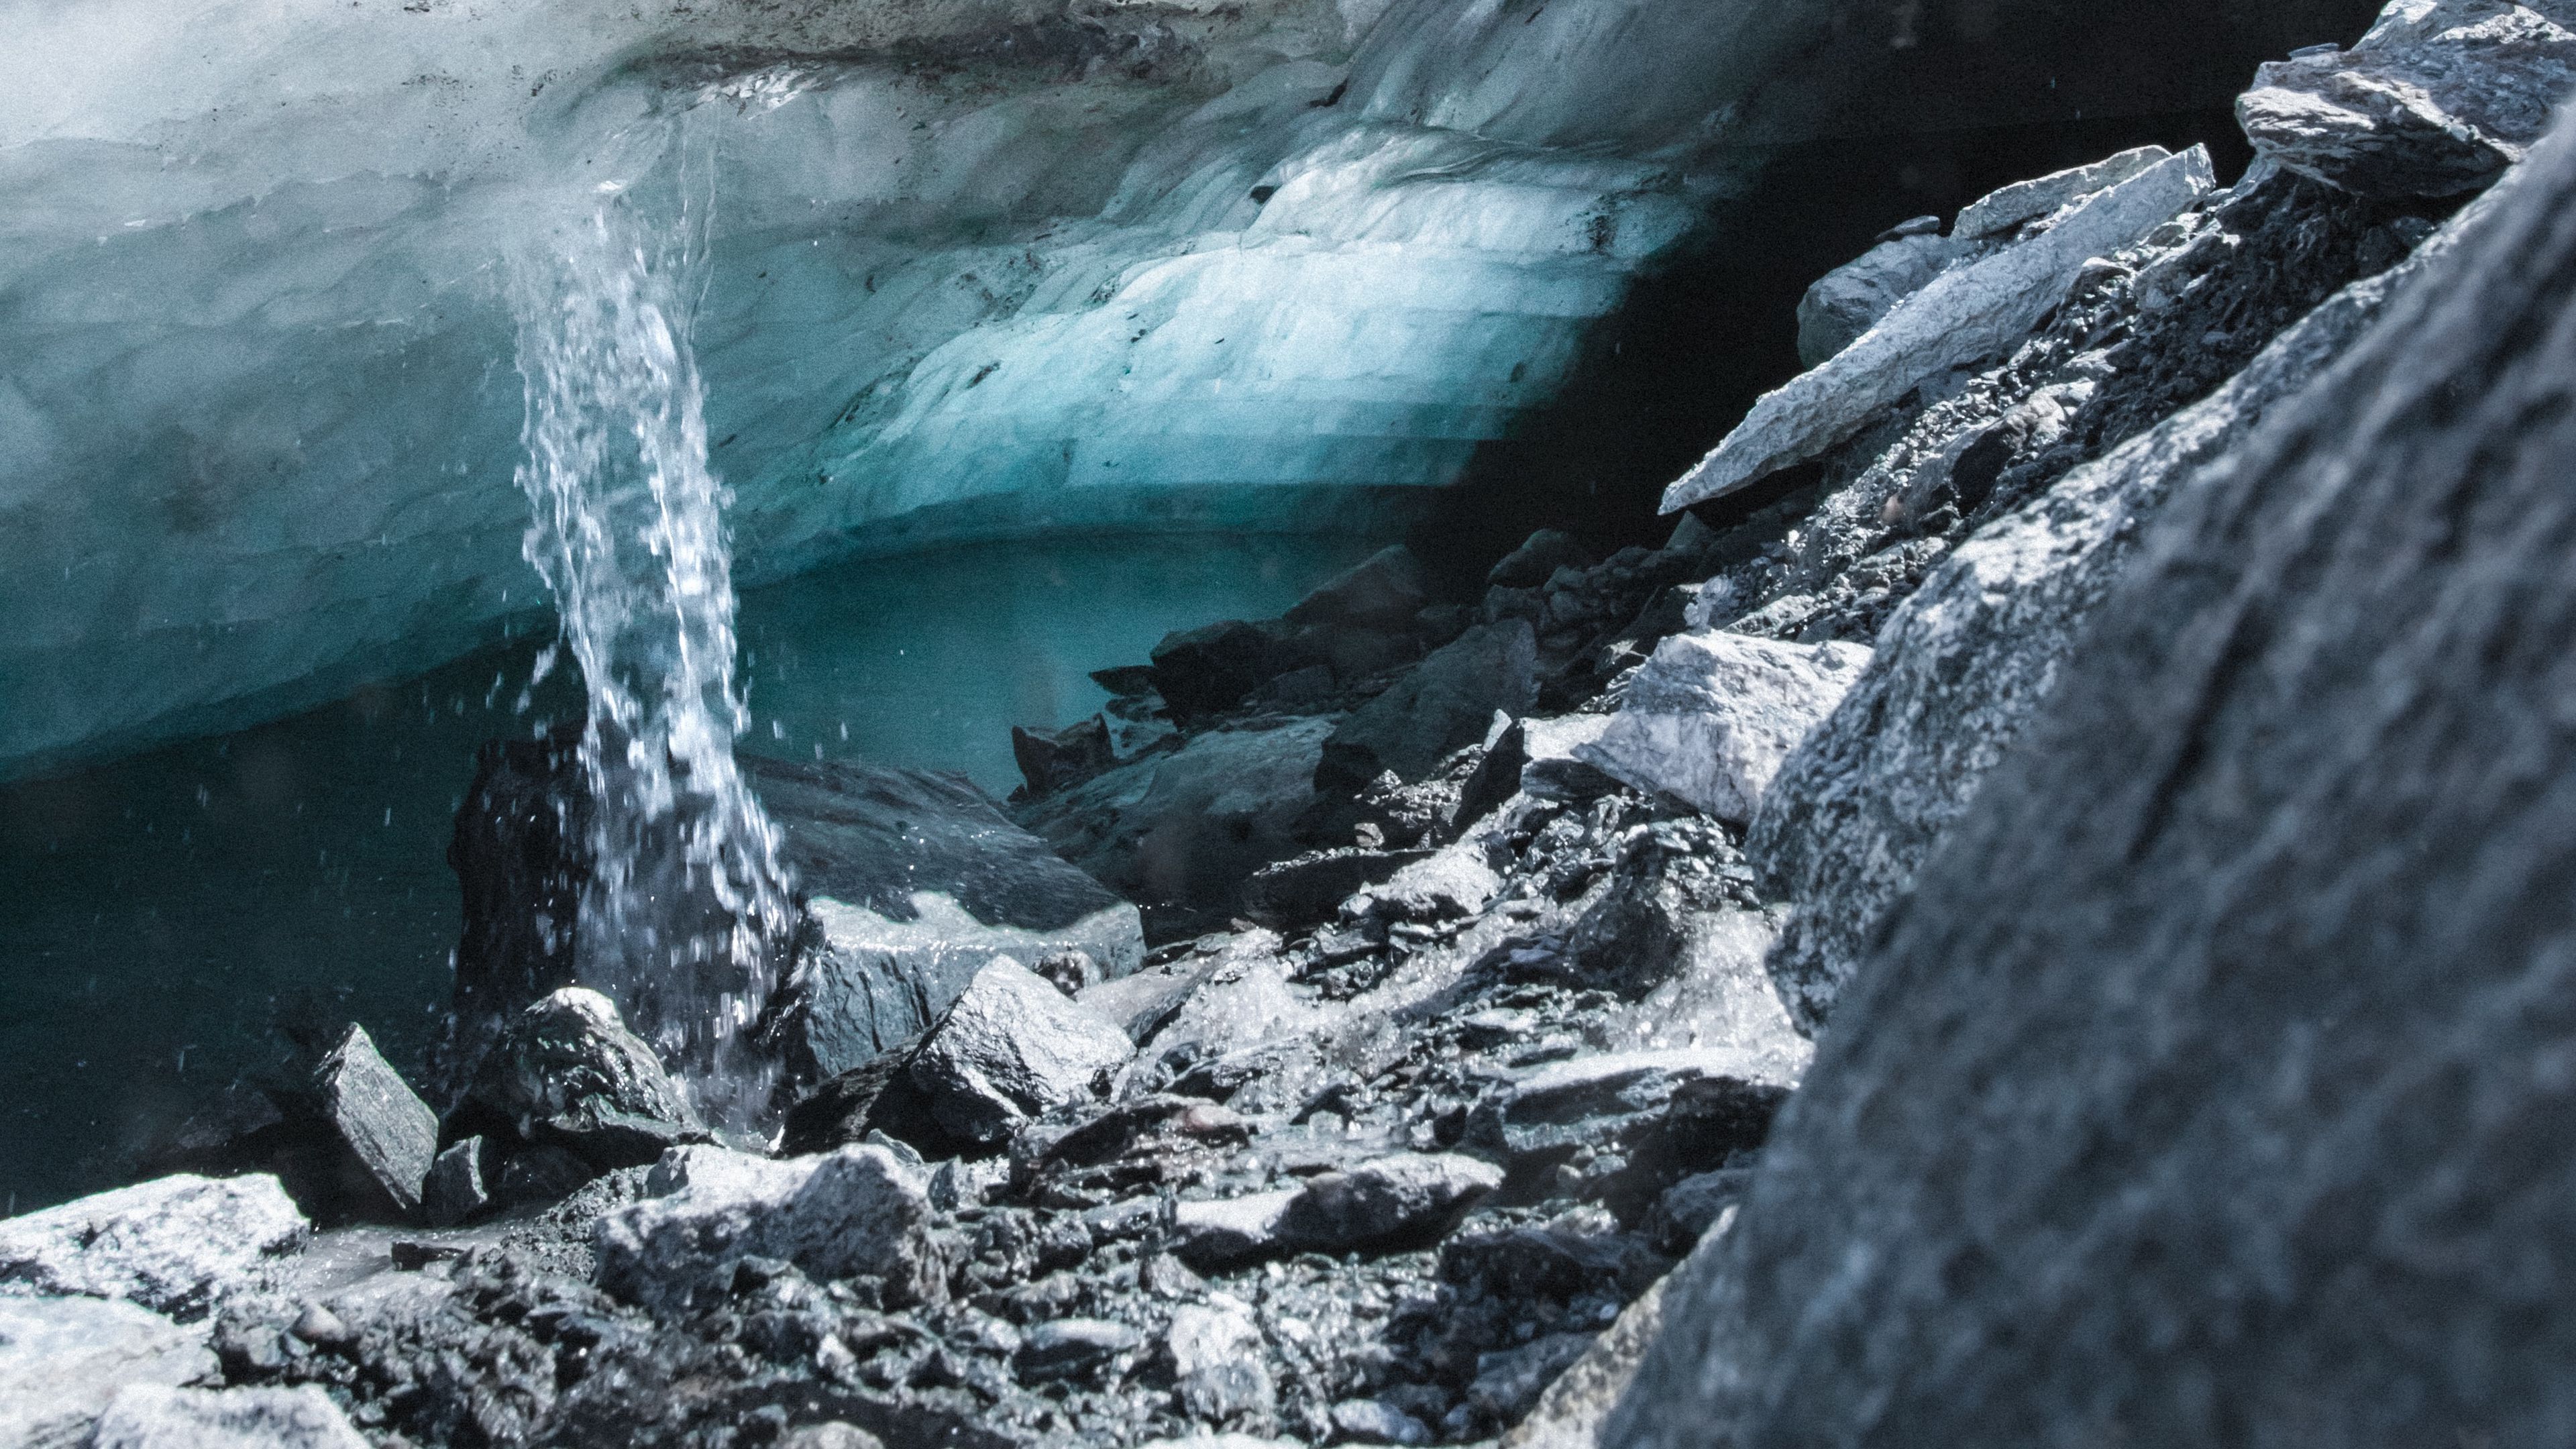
[2437,99]
[1965,662]
[1709,718]
[2211,1087]
[1966,313]
[913,881]
[176,1244]
[63,1359]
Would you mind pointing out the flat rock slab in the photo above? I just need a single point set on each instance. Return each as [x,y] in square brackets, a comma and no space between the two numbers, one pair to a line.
[2438,99]
[1407,1199]
[1709,719]
[1979,310]
[63,1359]
[176,1244]
[854,1211]
[914,881]
[169,1418]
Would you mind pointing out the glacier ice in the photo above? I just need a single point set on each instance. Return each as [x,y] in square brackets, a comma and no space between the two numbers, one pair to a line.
[975,266]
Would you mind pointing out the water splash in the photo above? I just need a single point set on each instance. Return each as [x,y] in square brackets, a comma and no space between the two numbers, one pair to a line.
[688,908]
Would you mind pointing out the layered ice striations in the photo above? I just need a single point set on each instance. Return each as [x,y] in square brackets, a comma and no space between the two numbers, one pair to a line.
[978,267]
[688,902]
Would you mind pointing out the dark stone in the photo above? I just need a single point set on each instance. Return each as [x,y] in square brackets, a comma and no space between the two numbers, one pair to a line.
[1209,670]
[541,1174]
[521,858]
[1403,1201]
[1536,1263]
[867,845]
[1384,592]
[1538,559]
[386,1129]
[568,1073]
[1073,1348]
[455,1191]
[1442,705]
[1050,760]
[1307,890]
[2208,1086]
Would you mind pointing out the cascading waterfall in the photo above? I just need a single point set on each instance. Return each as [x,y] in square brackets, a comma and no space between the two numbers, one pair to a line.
[688,908]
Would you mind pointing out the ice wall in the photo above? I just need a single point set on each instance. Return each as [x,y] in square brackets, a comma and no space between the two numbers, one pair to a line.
[977,266]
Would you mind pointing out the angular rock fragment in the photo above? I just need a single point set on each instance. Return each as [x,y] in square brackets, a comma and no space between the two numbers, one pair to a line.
[854,1211]
[1306,890]
[1442,705]
[1709,719]
[1406,1200]
[1508,1384]
[912,882]
[389,1133]
[1180,831]
[63,1359]
[1074,1348]
[1973,311]
[2438,99]
[177,1245]
[1539,557]
[1214,1353]
[1850,299]
[567,1073]
[454,1191]
[1374,1421]
[1231,1231]
[1386,591]
[2012,206]
[178,1418]
[1010,1048]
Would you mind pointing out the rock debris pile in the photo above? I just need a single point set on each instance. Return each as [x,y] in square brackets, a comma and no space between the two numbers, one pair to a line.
[1345,1035]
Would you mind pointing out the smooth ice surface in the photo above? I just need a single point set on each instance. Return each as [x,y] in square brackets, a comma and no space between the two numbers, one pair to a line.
[161,914]
[258,415]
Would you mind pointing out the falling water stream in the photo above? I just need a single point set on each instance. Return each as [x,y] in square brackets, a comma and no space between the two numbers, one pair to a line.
[688,906]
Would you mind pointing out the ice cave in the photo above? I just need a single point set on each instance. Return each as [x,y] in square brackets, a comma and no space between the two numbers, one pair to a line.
[1228,724]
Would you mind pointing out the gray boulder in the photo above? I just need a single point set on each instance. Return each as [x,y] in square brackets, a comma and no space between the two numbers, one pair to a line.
[2211,1084]
[1440,706]
[1404,1200]
[1010,1048]
[1710,717]
[63,1359]
[1182,830]
[387,1130]
[1383,591]
[1970,312]
[913,881]
[567,1072]
[2438,99]
[158,1417]
[1962,666]
[177,1245]
[854,1211]
[1538,558]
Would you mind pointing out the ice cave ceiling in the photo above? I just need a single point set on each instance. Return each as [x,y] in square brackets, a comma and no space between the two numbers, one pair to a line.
[971,266]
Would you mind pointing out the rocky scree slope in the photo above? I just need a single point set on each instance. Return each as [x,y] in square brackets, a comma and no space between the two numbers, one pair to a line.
[1389,1122]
